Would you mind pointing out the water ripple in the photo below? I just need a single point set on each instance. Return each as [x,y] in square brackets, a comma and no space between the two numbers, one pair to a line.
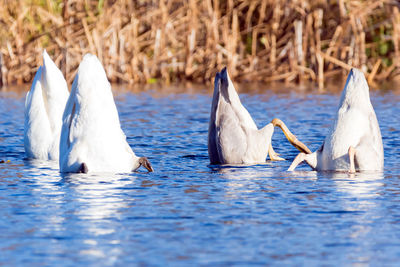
[189,212]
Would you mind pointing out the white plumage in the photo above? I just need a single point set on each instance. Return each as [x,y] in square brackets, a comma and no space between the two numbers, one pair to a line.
[233,137]
[354,141]
[44,106]
[92,139]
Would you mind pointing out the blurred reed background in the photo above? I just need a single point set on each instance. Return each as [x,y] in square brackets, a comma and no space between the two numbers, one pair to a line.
[159,40]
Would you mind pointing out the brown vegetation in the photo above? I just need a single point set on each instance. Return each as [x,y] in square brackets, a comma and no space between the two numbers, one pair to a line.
[168,40]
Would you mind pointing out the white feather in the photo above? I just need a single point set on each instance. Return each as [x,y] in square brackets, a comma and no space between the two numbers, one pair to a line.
[355,125]
[233,137]
[44,106]
[91,131]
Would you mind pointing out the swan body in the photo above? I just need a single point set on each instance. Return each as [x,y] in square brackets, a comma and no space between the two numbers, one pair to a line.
[44,107]
[233,137]
[92,139]
[354,141]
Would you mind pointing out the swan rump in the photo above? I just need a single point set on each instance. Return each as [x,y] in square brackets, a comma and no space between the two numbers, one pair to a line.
[44,106]
[92,139]
[233,137]
[354,140]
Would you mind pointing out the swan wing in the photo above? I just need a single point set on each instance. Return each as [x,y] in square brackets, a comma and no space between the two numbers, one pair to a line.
[37,132]
[258,143]
[233,122]
[232,132]
[212,130]
[369,150]
[231,135]
[56,93]
[229,93]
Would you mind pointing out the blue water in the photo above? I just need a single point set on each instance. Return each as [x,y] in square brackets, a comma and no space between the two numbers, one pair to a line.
[190,213]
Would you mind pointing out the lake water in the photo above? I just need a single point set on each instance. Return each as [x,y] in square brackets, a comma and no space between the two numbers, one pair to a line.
[190,213]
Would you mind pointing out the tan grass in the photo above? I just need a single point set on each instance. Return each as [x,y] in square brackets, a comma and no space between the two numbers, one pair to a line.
[170,40]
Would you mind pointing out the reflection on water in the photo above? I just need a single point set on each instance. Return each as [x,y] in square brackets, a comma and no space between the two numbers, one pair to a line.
[97,199]
[361,194]
[100,198]
[191,213]
[360,184]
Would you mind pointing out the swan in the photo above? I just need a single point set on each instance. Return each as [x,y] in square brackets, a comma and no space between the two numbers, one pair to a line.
[354,141]
[44,107]
[92,139]
[233,137]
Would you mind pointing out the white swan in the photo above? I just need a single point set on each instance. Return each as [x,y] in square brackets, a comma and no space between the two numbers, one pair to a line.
[92,139]
[354,141]
[233,137]
[44,107]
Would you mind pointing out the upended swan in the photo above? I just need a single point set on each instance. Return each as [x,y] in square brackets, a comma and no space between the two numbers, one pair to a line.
[233,137]
[354,141]
[44,107]
[92,139]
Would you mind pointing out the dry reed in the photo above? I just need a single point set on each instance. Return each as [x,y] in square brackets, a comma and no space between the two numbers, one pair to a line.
[149,41]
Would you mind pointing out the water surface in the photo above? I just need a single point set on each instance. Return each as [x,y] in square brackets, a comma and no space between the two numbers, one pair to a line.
[190,213]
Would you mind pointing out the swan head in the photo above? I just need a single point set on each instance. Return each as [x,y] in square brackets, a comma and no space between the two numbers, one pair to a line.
[356,90]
